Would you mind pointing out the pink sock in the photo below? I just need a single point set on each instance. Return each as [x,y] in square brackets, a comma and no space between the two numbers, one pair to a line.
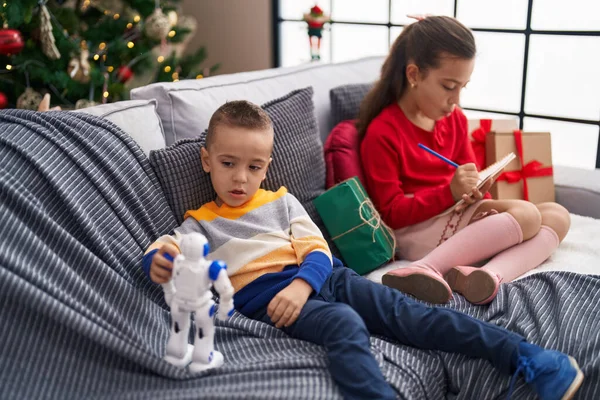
[514,262]
[476,242]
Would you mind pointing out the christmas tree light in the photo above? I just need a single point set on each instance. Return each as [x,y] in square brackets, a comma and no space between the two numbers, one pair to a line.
[84,52]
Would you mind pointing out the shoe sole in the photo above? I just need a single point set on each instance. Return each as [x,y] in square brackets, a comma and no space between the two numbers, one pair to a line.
[576,382]
[477,287]
[420,286]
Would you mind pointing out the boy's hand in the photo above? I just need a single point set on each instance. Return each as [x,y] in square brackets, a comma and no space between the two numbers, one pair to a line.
[161,268]
[287,304]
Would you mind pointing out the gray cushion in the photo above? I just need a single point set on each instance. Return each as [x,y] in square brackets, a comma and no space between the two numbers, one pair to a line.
[298,162]
[346,99]
[179,170]
[138,118]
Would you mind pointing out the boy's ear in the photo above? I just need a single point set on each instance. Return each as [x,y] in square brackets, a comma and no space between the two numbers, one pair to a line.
[267,168]
[204,158]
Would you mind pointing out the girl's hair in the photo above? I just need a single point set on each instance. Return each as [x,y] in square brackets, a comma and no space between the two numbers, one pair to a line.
[422,43]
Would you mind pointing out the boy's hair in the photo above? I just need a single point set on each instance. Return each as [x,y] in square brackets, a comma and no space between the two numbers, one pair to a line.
[423,43]
[239,113]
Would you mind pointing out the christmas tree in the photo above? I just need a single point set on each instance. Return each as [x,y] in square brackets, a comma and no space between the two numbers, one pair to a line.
[84,52]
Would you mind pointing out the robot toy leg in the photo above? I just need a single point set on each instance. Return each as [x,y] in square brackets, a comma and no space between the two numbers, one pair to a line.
[205,356]
[179,352]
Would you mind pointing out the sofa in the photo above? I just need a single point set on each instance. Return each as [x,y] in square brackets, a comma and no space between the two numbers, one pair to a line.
[84,193]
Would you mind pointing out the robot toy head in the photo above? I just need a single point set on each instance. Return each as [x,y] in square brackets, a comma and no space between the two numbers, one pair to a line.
[194,246]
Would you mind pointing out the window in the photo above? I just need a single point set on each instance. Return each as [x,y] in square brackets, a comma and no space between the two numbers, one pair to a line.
[536,62]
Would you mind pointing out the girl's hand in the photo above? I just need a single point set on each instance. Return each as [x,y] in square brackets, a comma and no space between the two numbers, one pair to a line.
[477,194]
[285,307]
[464,180]
[469,198]
[161,268]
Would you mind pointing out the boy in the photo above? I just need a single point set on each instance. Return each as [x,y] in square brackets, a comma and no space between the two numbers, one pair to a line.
[283,274]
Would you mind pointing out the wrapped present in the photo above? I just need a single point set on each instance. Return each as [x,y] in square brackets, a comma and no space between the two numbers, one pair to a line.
[529,176]
[355,226]
[479,128]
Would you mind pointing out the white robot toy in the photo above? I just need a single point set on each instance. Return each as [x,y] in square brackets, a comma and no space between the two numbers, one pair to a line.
[189,292]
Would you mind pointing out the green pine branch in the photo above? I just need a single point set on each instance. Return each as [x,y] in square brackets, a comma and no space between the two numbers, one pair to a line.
[113,42]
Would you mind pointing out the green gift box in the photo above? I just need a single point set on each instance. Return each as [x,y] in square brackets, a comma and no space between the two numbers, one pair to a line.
[356,228]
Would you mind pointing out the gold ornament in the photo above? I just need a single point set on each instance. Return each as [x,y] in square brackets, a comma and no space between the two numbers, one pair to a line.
[29,100]
[84,103]
[173,18]
[79,67]
[45,104]
[157,25]
[48,45]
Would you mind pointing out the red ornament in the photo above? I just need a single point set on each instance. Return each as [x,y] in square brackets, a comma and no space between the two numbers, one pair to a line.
[11,41]
[3,101]
[124,74]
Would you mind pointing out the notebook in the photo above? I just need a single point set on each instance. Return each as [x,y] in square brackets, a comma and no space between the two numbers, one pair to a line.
[486,174]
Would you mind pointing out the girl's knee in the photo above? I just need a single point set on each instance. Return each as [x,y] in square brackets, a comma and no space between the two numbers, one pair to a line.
[556,217]
[528,217]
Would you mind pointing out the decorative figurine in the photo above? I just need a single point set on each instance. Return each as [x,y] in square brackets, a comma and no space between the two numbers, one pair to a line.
[188,292]
[316,19]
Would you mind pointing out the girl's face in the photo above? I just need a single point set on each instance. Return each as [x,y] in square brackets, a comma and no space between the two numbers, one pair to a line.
[437,91]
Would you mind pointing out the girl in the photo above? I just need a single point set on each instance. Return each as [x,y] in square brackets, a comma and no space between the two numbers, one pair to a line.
[415,101]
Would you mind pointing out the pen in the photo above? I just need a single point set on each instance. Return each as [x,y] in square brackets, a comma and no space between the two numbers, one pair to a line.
[438,155]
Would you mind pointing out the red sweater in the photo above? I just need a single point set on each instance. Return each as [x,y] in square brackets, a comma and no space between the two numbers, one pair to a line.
[407,184]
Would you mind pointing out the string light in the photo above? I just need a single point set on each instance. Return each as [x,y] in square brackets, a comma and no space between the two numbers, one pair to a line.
[129,25]
[199,76]
[167,69]
[102,46]
[130,45]
[106,12]
[8,67]
[137,19]
[104,57]
[160,59]
[172,34]
[116,16]
[175,76]
[175,80]
[96,57]
[110,68]
[105,94]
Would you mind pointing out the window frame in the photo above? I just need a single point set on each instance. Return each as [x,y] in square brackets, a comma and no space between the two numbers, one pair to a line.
[528,32]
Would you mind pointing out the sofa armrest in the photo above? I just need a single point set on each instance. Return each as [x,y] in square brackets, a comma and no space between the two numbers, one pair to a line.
[578,190]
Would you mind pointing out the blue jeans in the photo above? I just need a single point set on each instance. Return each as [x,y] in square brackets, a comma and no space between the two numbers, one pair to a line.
[349,307]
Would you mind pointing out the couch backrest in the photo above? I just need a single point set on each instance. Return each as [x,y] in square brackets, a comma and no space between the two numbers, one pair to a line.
[185,107]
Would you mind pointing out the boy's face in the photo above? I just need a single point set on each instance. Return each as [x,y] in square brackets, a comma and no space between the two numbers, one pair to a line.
[237,160]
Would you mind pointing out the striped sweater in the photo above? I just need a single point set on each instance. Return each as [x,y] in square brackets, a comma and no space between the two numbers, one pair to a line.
[266,243]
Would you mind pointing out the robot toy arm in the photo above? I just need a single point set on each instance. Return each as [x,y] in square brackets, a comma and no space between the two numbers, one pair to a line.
[218,274]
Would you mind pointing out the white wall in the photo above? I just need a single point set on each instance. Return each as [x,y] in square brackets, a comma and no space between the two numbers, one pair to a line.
[236,33]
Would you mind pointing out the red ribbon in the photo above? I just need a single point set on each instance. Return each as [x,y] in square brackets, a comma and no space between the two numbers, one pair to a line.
[532,169]
[478,141]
